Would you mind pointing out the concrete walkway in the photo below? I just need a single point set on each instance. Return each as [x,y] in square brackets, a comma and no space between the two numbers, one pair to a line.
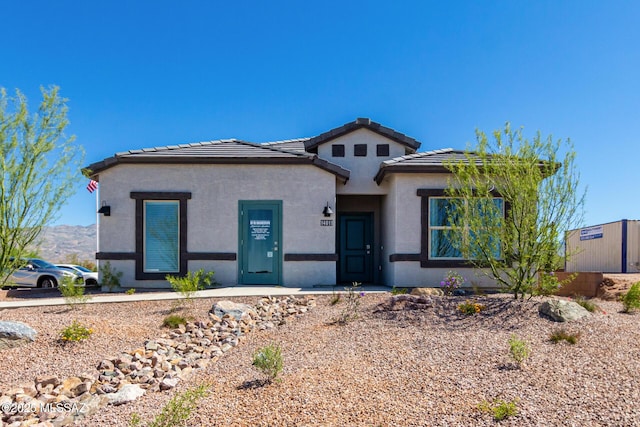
[144,295]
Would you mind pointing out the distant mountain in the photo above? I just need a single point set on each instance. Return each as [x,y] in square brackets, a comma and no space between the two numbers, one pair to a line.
[60,241]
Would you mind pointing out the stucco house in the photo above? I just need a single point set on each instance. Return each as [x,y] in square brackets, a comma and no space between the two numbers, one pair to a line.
[356,203]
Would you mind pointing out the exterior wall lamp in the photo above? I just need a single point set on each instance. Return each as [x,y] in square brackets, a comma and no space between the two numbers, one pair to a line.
[327,211]
[105,209]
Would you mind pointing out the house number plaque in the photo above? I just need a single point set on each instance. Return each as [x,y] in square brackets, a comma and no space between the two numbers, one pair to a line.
[326,222]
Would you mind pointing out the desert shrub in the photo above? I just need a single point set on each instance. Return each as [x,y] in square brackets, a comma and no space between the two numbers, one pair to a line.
[75,332]
[561,334]
[335,298]
[352,304]
[110,276]
[177,411]
[399,291]
[548,283]
[451,282]
[518,349]
[470,307]
[189,284]
[588,305]
[72,293]
[269,361]
[130,291]
[173,321]
[500,409]
[631,300]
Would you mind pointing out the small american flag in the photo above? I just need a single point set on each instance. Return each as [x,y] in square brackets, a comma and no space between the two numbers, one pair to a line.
[91,187]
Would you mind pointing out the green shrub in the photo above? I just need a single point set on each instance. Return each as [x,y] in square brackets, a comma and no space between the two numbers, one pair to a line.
[173,321]
[75,332]
[268,360]
[110,277]
[72,293]
[518,349]
[130,291]
[500,409]
[177,411]
[188,285]
[588,305]
[352,304]
[399,291]
[469,307]
[335,298]
[561,334]
[631,300]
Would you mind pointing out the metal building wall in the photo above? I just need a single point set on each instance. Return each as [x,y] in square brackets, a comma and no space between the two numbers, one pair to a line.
[603,254]
[633,247]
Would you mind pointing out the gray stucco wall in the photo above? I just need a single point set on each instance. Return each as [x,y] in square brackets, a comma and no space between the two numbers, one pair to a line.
[212,213]
[402,233]
[363,169]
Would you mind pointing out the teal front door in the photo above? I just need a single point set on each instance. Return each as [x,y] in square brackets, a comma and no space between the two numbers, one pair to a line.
[355,234]
[260,235]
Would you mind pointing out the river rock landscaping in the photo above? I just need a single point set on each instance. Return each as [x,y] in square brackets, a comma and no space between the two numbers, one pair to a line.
[405,360]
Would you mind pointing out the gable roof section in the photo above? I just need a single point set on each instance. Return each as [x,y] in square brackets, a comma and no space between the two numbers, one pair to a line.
[425,162]
[225,151]
[312,143]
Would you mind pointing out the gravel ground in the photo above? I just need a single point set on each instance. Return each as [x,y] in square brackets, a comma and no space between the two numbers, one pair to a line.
[404,368]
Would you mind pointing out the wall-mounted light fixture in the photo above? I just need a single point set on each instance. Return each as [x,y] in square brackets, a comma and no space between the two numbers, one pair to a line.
[105,209]
[327,211]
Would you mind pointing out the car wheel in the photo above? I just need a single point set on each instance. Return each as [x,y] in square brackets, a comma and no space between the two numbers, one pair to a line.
[91,282]
[48,282]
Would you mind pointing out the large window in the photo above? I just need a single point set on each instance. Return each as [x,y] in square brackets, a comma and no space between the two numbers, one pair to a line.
[438,214]
[442,213]
[161,236]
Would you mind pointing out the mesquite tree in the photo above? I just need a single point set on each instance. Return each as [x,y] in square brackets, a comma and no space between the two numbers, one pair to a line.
[39,166]
[511,202]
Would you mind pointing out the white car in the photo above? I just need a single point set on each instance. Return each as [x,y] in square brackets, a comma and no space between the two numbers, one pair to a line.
[90,277]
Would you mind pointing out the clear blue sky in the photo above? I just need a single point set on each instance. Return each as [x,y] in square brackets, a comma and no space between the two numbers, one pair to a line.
[151,73]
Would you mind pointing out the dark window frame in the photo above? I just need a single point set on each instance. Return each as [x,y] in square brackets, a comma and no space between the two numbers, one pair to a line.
[140,198]
[382,150]
[360,150]
[425,259]
[337,150]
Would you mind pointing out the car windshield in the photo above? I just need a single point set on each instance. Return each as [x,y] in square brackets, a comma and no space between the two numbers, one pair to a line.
[81,268]
[38,263]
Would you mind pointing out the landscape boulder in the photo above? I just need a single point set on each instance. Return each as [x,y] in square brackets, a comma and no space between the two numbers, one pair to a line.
[15,334]
[427,291]
[231,308]
[562,311]
[128,393]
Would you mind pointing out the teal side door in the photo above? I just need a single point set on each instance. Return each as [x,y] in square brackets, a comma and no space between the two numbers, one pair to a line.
[355,232]
[260,236]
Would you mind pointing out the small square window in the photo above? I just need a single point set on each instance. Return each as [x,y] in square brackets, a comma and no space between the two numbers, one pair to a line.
[360,150]
[337,150]
[382,150]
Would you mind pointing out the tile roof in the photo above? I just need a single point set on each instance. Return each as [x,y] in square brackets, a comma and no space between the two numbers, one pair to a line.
[229,151]
[425,162]
[289,144]
[312,143]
